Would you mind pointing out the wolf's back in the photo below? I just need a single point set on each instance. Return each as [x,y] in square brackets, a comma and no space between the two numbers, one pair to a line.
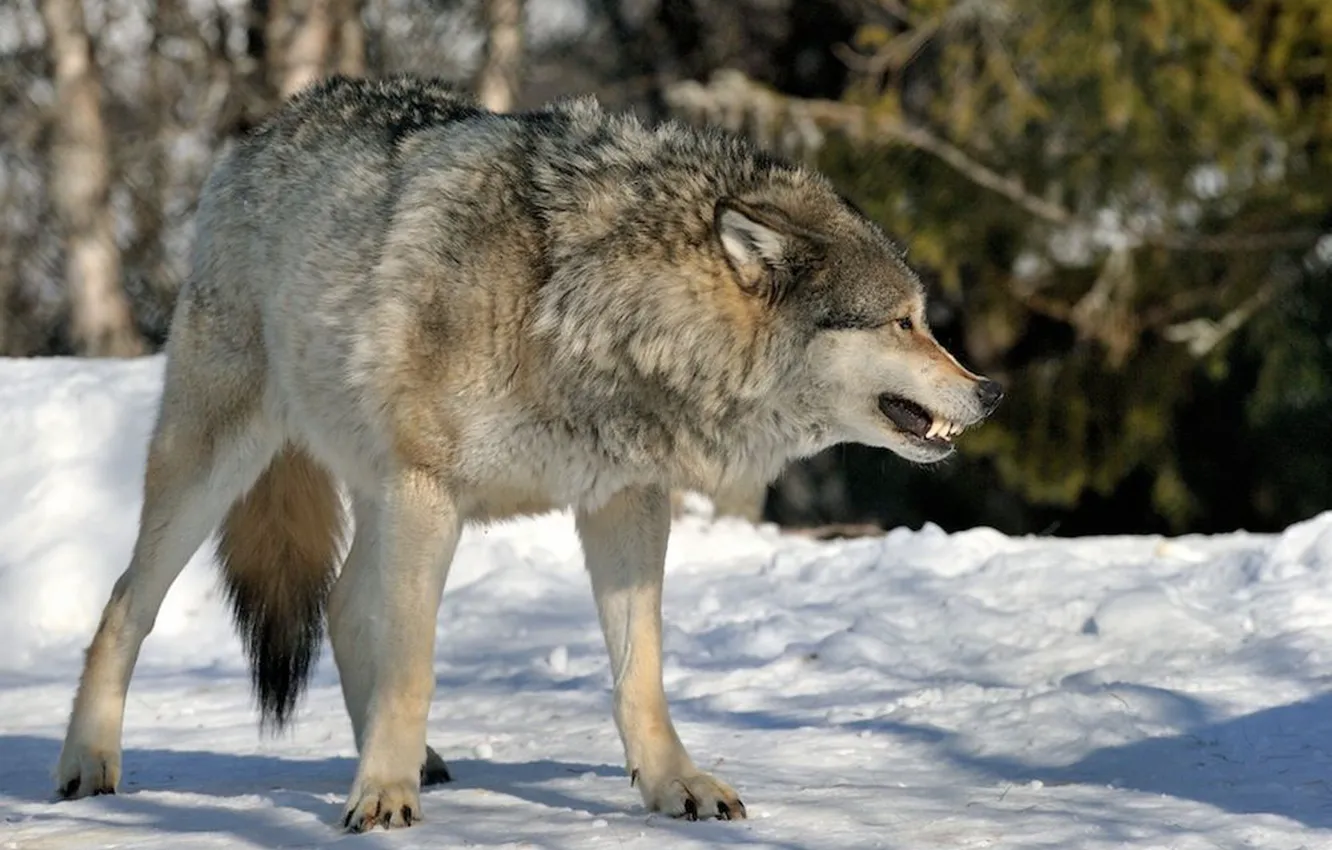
[381,111]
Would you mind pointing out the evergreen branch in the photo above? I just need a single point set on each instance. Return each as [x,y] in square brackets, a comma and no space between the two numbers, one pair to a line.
[736,102]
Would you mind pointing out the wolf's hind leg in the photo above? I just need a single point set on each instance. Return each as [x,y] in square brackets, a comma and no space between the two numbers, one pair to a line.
[413,545]
[350,630]
[624,543]
[209,445]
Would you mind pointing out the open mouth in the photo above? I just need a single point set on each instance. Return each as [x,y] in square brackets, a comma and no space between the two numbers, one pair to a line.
[918,422]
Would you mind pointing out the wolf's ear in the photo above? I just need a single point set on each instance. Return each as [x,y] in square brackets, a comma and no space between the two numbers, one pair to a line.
[766,250]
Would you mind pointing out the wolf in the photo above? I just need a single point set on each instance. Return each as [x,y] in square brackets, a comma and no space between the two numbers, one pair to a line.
[453,316]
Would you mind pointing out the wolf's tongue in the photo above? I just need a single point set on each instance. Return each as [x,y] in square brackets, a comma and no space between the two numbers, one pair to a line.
[907,415]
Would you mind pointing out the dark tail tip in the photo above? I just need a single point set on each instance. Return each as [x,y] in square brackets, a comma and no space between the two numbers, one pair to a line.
[282,645]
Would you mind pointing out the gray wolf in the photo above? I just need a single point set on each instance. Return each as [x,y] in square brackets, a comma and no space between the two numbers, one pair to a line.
[457,316]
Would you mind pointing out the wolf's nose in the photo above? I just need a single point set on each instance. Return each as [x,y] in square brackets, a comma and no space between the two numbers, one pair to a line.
[989,392]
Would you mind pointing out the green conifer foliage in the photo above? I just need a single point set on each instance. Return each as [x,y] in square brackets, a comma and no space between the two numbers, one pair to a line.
[1120,203]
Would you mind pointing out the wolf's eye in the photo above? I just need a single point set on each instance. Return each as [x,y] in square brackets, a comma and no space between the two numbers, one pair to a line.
[905,323]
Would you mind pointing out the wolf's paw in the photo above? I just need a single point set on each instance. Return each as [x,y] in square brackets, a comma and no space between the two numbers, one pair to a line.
[434,771]
[387,804]
[86,771]
[693,797]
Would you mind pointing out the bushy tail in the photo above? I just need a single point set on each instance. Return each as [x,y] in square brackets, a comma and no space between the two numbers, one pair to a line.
[279,548]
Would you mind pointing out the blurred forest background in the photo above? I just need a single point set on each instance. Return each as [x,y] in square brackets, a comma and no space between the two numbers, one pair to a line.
[1123,208]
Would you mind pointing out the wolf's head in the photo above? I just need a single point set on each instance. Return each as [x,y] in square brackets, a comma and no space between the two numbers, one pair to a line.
[735,301]
[871,371]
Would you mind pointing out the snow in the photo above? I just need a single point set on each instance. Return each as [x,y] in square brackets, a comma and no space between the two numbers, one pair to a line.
[920,690]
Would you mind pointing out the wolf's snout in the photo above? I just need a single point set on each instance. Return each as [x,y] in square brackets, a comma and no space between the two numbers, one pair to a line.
[990,394]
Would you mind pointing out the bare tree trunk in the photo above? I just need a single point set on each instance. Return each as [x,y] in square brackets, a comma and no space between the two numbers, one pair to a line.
[276,38]
[307,58]
[9,249]
[351,38]
[102,324]
[501,73]
[6,311]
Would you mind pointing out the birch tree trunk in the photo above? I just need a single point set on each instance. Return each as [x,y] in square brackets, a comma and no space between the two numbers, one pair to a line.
[312,42]
[102,324]
[498,82]
[351,38]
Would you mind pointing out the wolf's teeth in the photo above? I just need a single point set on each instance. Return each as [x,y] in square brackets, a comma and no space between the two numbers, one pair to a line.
[954,428]
[935,427]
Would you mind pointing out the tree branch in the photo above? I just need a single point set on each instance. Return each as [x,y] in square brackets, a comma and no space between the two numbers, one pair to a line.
[732,96]
[1203,335]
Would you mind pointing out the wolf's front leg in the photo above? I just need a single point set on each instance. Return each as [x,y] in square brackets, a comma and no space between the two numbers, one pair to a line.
[417,536]
[624,543]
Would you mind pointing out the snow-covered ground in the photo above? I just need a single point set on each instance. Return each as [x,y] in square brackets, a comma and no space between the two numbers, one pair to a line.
[922,690]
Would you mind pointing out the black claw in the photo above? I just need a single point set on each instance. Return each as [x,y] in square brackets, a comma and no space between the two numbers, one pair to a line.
[357,823]
[97,792]
[633,778]
[691,809]
[741,806]
[70,789]
[407,815]
[386,819]
[723,811]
